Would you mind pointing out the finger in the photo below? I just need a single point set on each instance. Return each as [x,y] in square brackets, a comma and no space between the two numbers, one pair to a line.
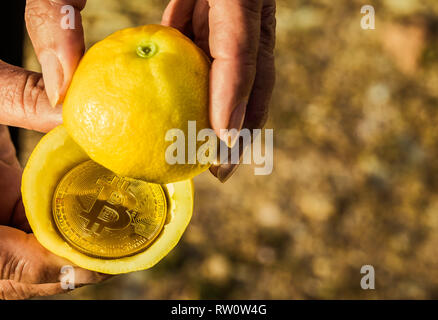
[19,219]
[8,155]
[234,40]
[13,290]
[10,176]
[201,29]
[58,50]
[24,260]
[23,101]
[257,109]
[258,106]
[178,14]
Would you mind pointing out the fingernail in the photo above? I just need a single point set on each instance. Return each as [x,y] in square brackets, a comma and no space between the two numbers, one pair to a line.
[236,122]
[53,76]
[224,172]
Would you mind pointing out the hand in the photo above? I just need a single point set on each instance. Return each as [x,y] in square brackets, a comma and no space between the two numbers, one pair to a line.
[25,99]
[26,268]
[239,36]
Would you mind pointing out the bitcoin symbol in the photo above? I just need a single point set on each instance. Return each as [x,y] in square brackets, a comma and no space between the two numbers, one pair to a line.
[110,208]
[104,215]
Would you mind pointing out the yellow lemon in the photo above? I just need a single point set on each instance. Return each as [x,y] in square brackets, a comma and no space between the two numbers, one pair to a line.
[128,91]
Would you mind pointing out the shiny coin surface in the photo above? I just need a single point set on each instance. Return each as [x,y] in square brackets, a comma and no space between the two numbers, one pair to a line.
[107,216]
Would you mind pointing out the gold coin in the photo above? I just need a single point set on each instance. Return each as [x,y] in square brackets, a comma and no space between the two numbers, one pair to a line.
[107,216]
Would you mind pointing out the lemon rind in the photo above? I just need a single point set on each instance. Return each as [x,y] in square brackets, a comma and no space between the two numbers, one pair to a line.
[52,158]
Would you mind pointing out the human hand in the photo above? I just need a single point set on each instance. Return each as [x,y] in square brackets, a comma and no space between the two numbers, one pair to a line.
[239,36]
[26,268]
[25,98]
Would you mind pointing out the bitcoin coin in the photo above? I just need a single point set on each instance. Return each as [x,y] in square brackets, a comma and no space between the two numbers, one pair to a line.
[107,216]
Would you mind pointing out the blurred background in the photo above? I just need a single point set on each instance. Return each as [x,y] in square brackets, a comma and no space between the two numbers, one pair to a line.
[355,175]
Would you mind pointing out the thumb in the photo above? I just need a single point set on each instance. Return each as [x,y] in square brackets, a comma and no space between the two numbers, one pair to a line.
[28,269]
[23,101]
[55,28]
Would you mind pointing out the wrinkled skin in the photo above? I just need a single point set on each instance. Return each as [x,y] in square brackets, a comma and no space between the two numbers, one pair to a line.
[26,268]
[238,35]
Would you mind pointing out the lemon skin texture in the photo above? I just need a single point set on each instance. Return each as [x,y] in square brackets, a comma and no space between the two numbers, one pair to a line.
[53,157]
[128,91]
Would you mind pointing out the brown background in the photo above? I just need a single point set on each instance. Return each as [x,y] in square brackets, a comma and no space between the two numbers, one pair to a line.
[355,174]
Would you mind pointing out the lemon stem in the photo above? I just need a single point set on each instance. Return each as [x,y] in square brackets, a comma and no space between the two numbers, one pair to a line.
[147,50]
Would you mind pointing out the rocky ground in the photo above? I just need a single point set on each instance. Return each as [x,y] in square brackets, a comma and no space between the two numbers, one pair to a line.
[355,174]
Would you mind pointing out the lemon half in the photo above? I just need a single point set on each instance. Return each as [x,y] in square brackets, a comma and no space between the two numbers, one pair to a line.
[53,157]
